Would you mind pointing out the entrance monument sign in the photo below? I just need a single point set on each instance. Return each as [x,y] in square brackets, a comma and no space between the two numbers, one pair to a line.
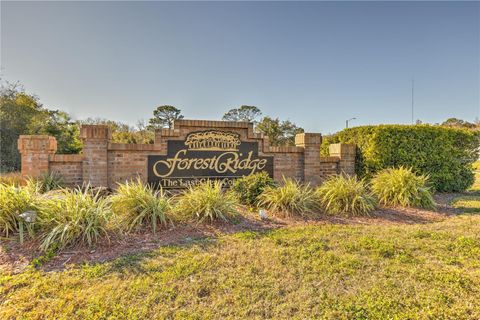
[190,152]
[209,154]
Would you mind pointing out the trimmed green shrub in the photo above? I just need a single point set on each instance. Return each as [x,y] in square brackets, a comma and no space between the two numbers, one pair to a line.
[290,199]
[207,201]
[71,217]
[14,201]
[249,188]
[445,154]
[136,204]
[402,187]
[345,195]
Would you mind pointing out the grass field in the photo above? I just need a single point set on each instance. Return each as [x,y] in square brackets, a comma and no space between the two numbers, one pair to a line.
[423,271]
[329,271]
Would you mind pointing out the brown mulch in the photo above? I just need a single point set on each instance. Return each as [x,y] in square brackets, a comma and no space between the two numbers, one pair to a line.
[14,258]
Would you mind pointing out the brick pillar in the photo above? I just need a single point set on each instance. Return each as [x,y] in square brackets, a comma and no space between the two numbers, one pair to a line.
[35,153]
[311,143]
[95,163]
[346,153]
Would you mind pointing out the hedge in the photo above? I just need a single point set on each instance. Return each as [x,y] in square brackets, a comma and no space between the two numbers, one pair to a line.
[445,154]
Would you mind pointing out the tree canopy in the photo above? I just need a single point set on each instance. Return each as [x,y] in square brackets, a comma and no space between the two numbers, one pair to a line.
[244,113]
[124,133]
[163,116]
[279,132]
[22,114]
[458,123]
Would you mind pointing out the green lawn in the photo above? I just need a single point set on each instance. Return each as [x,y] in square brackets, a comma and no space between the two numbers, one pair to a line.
[423,271]
[468,204]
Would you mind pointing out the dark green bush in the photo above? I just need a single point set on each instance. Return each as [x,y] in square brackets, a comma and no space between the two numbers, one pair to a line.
[444,154]
[249,188]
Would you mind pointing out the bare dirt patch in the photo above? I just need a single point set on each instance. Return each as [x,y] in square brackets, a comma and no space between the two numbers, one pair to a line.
[15,258]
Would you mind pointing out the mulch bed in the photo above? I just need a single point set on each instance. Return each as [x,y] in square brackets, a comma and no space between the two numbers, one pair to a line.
[14,258]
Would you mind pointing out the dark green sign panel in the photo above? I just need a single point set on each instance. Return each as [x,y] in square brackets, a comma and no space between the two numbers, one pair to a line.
[206,155]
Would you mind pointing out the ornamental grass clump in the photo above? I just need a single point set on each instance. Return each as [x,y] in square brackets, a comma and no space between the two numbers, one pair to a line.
[207,201]
[13,179]
[46,182]
[14,202]
[289,199]
[71,217]
[136,204]
[402,187]
[345,195]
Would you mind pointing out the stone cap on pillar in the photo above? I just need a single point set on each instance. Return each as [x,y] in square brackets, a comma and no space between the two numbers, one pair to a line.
[342,149]
[37,144]
[95,131]
[307,138]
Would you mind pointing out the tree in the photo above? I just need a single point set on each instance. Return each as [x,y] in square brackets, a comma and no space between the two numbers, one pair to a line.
[22,113]
[17,110]
[280,133]
[67,132]
[458,123]
[163,116]
[244,113]
[143,133]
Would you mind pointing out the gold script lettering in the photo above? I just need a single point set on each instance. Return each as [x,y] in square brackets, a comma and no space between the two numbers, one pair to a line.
[225,162]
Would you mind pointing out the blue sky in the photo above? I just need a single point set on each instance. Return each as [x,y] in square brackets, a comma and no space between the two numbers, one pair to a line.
[315,63]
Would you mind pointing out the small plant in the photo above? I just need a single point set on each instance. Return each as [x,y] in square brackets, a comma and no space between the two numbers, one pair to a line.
[137,204]
[207,201]
[402,187]
[46,182]
[14,203]
[249,188]
[289,199]
[342,194]
[43,259]
[74,217]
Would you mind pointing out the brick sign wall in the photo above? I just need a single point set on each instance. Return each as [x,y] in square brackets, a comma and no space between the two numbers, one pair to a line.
[197,149]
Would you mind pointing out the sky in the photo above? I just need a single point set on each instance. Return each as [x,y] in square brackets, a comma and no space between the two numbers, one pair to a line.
[314,63]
